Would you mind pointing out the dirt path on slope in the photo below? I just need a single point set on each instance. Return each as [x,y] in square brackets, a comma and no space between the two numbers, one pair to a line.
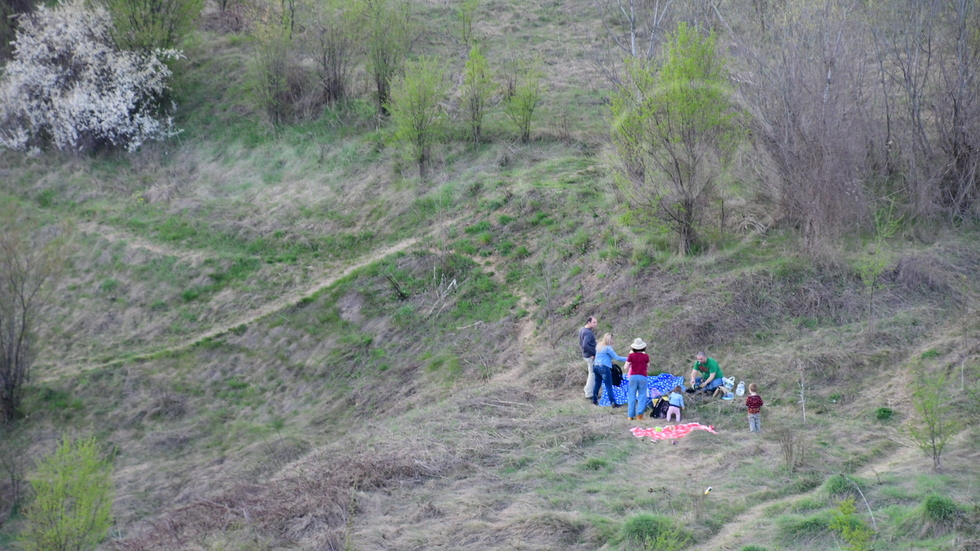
[526,326]
[114,235]
[729,537]
[255,314]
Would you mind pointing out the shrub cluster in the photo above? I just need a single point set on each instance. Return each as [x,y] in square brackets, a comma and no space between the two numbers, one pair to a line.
[69,85]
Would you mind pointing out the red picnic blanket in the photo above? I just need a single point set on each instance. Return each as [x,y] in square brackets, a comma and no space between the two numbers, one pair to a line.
[670,431]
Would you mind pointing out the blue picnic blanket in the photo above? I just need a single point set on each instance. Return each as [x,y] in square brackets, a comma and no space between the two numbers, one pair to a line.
[663,384]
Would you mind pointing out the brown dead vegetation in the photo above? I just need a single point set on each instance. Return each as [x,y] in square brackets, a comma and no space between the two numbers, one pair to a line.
[315,498]
[926,274]
[224,21]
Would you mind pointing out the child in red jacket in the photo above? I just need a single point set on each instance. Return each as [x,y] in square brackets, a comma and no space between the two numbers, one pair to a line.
[754,403]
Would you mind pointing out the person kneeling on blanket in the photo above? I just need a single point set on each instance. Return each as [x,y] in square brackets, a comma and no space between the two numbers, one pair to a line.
[705,374]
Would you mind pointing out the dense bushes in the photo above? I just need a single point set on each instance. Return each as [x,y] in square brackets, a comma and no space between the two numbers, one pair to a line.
[70,86]
[146,25]
[8,12]
[72,506]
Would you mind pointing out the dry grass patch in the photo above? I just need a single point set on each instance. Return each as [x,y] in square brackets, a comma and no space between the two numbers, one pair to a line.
[311,499]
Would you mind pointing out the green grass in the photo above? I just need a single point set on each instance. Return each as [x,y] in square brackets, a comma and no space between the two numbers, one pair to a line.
[596,464]
[884,413]
[55,400]
[802,529]
[808,504]
[653,533]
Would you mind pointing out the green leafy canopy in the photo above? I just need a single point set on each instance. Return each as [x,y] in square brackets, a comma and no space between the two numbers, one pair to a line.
[72,509]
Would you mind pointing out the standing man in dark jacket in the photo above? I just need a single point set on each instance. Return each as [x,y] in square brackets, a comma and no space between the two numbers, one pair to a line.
[586,340]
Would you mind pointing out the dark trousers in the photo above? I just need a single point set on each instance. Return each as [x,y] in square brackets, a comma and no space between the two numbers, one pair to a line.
[603,378]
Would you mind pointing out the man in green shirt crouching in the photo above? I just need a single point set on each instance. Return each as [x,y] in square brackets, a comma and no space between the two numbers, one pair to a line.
[705,375]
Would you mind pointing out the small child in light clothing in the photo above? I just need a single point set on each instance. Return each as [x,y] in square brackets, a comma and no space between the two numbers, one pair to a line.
[754,402]
[676,400]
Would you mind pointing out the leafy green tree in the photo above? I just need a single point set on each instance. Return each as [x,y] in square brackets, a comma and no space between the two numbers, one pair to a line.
[523,97]
[676,128]
[146,25]
[72,508]
[937,422]
[388,34]
[478,88]
[416,109]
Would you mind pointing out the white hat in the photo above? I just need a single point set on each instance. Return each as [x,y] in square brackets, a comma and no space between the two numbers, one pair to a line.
[638,344]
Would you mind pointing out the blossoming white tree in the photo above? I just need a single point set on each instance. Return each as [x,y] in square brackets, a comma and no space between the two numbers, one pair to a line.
[69,86]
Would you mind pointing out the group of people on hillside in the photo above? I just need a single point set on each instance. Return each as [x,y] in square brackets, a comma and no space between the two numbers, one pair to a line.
[599,355]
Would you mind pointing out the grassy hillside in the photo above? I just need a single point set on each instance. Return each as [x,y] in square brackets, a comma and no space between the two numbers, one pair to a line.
[285,340]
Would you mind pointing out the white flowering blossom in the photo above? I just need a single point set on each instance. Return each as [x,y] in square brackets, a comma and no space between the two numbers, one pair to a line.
[68,85]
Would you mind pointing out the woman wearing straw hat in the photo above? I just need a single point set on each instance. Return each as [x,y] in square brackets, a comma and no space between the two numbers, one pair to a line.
[636,393]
